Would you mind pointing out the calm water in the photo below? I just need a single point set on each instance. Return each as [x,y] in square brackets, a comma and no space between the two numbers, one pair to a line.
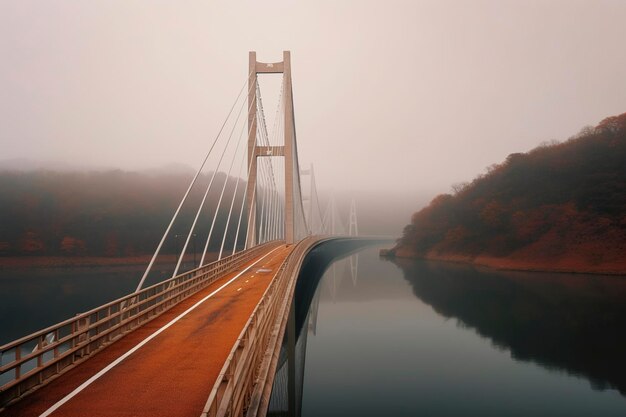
[32,299]
[419,338]
[408,338]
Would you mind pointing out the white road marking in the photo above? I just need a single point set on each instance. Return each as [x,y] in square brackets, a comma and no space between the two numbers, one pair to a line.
[239,289]
[142,343]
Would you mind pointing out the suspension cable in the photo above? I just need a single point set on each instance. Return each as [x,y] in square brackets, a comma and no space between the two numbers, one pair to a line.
[204,197]
[193,181]
[232,203]
[217,209]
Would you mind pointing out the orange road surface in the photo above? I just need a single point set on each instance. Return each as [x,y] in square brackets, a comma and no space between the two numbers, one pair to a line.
[173,373]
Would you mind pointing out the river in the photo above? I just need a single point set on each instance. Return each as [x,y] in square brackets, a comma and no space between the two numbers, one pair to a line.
[406,338]
[32,299]
[409,338]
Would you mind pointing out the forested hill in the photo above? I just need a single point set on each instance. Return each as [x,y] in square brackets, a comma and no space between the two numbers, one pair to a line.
[101,213]
[560,206]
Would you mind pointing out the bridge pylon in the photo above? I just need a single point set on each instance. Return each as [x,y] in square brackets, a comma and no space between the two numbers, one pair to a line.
[287,150]
[354,226]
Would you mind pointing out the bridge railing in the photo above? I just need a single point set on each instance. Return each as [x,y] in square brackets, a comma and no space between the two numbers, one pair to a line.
[248,363]
[33,360]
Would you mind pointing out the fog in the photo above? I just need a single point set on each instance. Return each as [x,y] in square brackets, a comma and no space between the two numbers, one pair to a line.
[399,98]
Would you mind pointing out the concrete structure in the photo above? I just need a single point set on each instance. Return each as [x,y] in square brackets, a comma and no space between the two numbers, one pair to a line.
[167,363]
[255,150]
[162,350]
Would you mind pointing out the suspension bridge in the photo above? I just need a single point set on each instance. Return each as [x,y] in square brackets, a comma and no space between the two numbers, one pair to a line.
[208,340]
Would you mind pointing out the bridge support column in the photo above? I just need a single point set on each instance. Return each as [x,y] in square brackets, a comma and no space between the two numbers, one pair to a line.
[288,150]
[252,127]
[290,139]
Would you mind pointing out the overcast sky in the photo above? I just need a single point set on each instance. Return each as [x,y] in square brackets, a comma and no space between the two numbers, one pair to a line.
[390,96]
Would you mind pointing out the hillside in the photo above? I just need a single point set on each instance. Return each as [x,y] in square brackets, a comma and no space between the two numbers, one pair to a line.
[561,206]
[101,213]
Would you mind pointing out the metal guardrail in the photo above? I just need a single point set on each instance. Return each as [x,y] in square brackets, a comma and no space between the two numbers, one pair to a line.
[33,360]
[242,378]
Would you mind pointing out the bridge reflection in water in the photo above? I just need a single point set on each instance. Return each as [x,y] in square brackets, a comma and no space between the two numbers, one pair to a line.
[340,260]
[540,329]
[269,216]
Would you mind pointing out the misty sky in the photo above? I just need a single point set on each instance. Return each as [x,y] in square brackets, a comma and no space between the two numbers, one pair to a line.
[390,95]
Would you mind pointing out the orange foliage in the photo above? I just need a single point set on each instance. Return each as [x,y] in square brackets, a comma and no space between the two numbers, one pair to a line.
[560,200]
[31,243]
[72,246]
[613,124]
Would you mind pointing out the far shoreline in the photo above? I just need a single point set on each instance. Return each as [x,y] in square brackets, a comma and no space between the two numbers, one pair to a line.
[564,266]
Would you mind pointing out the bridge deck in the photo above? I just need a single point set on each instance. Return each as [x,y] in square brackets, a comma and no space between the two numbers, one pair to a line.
[168,366]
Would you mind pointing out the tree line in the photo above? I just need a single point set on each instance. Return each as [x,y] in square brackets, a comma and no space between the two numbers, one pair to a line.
[105,213]
[559,198]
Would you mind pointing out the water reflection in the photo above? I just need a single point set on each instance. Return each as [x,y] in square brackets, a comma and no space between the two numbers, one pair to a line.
[438,339]
[337,262]
[31,300]
[568,322]
[334,260]
[342,269]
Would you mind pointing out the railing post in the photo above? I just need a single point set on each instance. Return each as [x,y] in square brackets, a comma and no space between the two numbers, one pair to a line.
[83,336]
[18,356]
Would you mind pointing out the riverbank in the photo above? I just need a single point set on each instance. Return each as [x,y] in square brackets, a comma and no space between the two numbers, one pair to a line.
[24,262]
[569,263]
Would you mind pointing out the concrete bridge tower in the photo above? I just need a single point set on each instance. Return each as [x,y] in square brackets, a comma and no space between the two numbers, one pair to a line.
[287,150]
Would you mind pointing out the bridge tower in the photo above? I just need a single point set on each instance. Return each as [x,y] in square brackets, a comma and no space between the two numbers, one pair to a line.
[287,150]
[354,226]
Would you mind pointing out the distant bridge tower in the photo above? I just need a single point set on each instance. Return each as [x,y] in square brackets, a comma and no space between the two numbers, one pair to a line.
[287,150]
[309,198]
[353,229]
[313,214]
[333,218]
